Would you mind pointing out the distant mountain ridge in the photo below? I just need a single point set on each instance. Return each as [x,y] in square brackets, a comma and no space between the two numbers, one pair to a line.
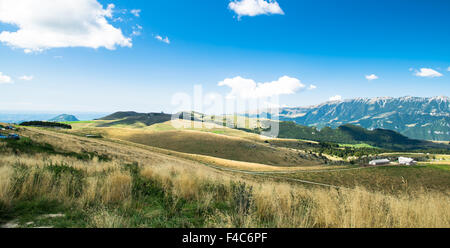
[64,118]
[131,117]
[416,117]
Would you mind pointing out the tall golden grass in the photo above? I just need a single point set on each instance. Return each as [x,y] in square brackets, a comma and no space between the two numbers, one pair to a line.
[102,183]
[272,204]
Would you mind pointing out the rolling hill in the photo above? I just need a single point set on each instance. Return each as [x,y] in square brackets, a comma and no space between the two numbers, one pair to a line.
[215,145]
[343,134]
[130,118]
[133,118]
[107,183]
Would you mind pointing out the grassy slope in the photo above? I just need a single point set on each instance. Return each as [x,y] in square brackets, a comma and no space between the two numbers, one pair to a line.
[165,191]
[391,179]
[346,134]
[151,206]
[434,176]
[357,145]
[216,145]
[206,139]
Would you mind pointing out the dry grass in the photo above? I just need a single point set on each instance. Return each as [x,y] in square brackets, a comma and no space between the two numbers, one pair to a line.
[172,125]
[214,145]
[281,205]
[267,203]
[107,219]
[87,183]
[6,174]
[232,164]
[116,188]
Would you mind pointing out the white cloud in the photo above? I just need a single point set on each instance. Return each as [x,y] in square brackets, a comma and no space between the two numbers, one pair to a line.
[312,87]
[249,89]
[118,19]
[5,79]
[137,30]
[26,78]
[427,72]
[448,69]
[255,7]
[136,12]
[165,40]
[336,98]
[47,24]
[371,77]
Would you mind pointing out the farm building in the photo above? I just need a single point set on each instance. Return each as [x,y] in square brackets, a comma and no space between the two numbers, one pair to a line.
[379,162]
[406,161]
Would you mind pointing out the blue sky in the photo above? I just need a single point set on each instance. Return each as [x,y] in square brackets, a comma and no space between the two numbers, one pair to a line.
[332,45]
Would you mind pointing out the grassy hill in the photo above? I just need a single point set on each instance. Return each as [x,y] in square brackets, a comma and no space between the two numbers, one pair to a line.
[132,118]
[216,145]
[346,141]
[51,178]
[148,119]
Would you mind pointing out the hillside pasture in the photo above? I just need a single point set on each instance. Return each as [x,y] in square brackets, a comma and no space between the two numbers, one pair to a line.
[215,145]
[388,179]
[140,187]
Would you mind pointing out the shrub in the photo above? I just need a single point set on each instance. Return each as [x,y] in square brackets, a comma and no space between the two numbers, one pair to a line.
[242,201]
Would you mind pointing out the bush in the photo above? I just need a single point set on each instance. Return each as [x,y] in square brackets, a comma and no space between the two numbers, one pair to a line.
[45,124]
[242,202]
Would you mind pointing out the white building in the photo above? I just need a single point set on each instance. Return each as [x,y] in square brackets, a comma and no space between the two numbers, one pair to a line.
[379,162]
[406,161]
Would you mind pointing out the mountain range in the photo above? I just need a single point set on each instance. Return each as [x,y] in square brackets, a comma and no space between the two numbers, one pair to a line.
[426,118]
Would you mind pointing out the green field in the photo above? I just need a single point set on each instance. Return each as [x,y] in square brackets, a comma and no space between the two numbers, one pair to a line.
[357,145]
[77,122]
[445,167]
